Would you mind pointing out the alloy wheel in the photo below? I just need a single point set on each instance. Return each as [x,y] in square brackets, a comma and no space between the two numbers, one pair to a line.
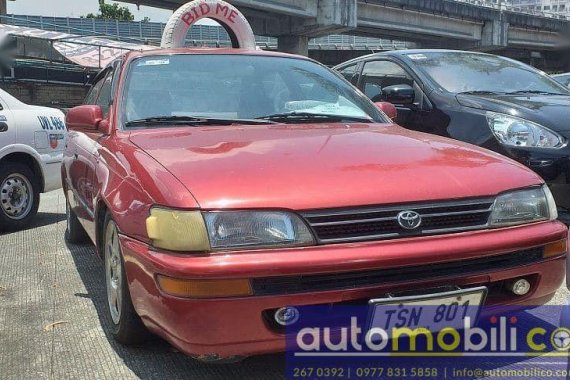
[113,272]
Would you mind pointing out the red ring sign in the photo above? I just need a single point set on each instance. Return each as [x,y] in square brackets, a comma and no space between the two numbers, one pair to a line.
[226,14]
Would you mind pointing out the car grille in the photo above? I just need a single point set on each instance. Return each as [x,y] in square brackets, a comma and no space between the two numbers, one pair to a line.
[375,223]
[360,279]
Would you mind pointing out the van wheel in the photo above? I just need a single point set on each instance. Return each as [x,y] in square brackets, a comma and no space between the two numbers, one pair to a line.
[74,233]
[126,326]
[19,196]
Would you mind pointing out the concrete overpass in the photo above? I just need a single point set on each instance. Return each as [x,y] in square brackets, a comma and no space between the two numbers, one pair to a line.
[331,49]
[431,23]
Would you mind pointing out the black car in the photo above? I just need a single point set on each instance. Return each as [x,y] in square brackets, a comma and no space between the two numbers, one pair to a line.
[562,78]
[487,100]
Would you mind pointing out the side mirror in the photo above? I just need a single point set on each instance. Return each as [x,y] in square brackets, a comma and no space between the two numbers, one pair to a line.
[84,118]
[399,94]
[388,108]
[104,127]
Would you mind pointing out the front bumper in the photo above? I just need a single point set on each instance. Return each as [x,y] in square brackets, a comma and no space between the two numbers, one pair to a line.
[551,164]
[227,327]
[51,170]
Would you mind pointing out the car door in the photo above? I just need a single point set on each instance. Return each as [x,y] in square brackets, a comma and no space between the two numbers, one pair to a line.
[7,128]
[77,159]
[378,74]
[92,144]
[350,72]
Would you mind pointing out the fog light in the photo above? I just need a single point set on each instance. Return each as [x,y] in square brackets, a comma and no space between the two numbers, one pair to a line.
[287,315]
[520,287]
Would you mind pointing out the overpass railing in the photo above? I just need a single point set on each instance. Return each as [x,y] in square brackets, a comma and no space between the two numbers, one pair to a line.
[519,8]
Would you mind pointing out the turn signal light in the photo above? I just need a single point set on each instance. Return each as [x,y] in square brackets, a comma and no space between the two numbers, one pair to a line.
[557,248]
[204,288]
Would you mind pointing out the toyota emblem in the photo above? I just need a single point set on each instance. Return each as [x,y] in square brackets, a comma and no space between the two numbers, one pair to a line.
[409,220]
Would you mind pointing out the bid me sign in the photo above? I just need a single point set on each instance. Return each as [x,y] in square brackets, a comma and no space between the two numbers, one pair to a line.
[238,28]
[214,11]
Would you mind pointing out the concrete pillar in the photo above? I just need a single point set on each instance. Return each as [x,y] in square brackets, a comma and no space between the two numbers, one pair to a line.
[495,34]
[337,15]
[3,9]
[293,44]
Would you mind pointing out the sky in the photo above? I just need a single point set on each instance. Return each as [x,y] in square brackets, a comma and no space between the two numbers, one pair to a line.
[77,8]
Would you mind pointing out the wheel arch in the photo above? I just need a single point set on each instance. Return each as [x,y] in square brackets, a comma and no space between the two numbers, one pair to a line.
[101,210]
[29,160]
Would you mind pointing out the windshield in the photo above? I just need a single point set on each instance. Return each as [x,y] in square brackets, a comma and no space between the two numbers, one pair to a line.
[240,87]
[466,72]
[563,79]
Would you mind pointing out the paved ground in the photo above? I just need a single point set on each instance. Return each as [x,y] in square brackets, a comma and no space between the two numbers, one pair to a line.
[44,281]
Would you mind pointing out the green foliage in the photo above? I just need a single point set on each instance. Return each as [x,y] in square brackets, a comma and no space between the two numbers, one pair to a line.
[112,12]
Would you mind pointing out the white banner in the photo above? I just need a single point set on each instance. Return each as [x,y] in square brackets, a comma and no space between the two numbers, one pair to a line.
[85,51]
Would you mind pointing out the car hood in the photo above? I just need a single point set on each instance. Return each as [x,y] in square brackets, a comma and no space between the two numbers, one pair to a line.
[552,111]
[318,166]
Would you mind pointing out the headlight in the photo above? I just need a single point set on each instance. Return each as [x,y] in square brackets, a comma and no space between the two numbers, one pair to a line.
[523,206]
[192,231]
[177,230]
[514,131]
[256,229]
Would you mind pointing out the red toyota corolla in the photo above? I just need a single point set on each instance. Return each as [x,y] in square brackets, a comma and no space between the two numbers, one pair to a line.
[221,186]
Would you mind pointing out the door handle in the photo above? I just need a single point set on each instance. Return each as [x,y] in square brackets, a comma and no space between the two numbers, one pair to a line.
[3,127]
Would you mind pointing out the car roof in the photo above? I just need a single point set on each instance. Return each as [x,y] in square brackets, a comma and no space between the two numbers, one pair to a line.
[210,51]
[406,52]
[420,51]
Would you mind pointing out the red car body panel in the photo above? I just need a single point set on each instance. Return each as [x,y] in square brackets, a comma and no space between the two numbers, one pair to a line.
[207,327]
[295,167]
[346,257]
[273,169]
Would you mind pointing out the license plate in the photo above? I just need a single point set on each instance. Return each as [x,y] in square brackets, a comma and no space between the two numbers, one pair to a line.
[432,311]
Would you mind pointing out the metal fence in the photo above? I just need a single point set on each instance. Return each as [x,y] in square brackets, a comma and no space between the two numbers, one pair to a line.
[199,35]
[519,8]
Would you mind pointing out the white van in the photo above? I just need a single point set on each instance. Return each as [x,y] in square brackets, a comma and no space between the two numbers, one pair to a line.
[32,140]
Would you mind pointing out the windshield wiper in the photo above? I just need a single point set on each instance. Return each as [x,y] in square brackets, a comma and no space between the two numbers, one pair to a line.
[480,92]
[534,92]
[192,120]
[302,116]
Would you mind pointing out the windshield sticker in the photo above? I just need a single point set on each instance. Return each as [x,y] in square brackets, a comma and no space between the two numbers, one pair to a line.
[417,56]
[154,62]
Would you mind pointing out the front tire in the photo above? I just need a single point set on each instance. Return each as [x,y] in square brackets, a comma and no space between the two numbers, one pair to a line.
[19,196]
[126,326]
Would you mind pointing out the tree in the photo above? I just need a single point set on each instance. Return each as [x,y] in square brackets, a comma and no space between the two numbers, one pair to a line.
[112,12]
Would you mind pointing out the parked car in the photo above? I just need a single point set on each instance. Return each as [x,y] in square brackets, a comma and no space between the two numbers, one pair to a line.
[221,186]
[32,140]
[562,79]
[487,100]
